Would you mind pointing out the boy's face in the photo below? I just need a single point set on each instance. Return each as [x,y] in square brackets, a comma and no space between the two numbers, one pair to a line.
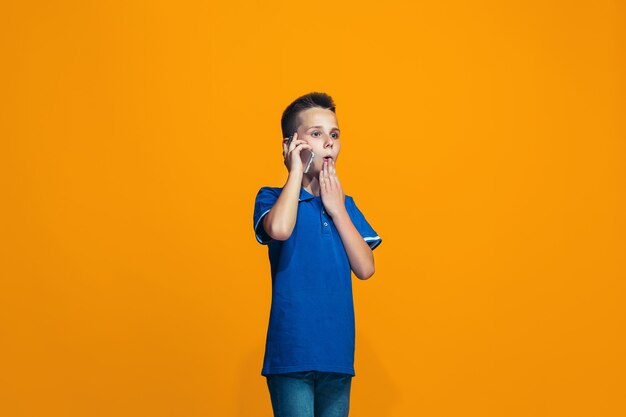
[318,127]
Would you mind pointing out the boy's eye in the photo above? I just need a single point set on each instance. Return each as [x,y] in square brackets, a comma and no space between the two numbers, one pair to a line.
[334,135]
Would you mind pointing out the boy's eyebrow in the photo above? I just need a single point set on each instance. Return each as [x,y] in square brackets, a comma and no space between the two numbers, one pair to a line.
[319,127]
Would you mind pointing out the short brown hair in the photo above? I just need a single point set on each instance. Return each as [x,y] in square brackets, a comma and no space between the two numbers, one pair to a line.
[289,121]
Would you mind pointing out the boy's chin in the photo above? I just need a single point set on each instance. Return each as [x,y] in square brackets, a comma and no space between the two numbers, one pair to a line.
[321,167]
[314,171]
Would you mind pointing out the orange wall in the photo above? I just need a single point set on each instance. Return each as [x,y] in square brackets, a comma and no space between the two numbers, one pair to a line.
[485,142]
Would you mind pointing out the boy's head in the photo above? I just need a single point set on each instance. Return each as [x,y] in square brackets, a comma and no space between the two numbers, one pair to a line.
[313,117]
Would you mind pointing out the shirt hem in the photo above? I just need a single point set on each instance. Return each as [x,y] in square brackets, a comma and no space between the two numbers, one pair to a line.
[300,368]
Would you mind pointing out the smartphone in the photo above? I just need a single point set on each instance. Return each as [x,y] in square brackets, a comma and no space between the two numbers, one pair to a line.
[305,154]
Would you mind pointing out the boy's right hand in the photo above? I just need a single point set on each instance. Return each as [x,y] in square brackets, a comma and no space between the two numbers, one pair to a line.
[293,161]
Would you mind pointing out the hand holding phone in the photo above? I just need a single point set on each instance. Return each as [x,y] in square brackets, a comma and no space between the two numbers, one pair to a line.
[306,155]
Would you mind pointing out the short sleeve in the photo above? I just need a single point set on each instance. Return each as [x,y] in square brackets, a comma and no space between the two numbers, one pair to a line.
[265,199]
[365,229]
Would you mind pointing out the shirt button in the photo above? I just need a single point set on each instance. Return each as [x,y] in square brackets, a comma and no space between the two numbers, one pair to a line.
[325,224]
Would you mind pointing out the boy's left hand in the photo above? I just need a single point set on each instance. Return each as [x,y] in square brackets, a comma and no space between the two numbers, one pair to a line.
[332,194]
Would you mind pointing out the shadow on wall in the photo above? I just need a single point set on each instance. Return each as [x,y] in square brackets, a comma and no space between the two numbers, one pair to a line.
[373,391]
[254,397]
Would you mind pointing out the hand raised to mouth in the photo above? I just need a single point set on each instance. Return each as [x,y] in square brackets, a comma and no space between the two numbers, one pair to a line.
[332,194]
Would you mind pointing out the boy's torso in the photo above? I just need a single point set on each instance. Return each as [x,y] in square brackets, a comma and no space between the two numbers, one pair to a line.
[312,313]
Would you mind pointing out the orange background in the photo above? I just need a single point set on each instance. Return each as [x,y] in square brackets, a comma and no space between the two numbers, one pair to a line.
[484,141]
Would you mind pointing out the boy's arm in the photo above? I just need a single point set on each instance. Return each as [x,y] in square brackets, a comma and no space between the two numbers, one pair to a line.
[281,219]
[359,252]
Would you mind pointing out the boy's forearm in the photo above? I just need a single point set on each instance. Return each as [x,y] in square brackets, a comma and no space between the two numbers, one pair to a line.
[281,219]
[359,252]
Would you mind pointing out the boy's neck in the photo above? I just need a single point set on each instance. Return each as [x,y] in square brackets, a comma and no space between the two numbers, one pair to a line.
[311,184]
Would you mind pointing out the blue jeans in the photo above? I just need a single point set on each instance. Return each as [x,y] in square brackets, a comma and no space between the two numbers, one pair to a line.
[310,394]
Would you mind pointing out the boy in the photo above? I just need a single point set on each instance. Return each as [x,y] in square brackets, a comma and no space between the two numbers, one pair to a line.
[316,236]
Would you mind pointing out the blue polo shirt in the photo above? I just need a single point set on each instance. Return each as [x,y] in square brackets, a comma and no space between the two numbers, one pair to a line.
[311,324]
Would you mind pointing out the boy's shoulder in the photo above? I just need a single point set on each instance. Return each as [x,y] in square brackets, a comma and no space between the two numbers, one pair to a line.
[268,190]
[304,194]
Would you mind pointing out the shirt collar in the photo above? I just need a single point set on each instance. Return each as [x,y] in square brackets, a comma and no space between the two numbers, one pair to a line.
[305,195]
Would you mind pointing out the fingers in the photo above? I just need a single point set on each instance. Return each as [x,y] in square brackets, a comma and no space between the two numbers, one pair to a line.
[287,143]
[336,178]
[329,183]
[291,142]
[325,177]
[328,175]
[292,150]
[331,174]
[299,146]
[294,145]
